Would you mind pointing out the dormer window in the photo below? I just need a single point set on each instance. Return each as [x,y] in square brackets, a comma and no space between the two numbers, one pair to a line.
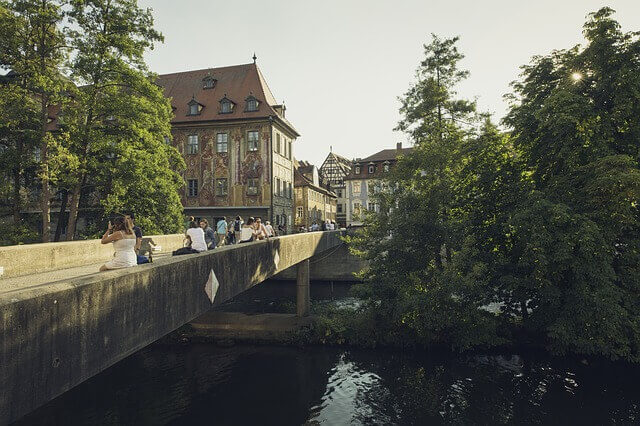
[194,107]
[252,104]
[226,105]
[208,82]
[357,170]
[372,169]
[385,167]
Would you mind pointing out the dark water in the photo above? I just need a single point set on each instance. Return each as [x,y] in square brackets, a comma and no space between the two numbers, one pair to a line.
[249,385]
[268,385]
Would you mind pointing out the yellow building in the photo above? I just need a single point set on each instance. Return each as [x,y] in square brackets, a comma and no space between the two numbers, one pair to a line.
[312,202]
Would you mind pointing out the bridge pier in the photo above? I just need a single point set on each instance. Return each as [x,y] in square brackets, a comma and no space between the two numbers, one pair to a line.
[303,296]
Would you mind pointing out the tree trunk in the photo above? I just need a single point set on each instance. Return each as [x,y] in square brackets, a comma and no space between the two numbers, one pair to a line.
[73,210]
[45,201]
[17,177]
[61,215]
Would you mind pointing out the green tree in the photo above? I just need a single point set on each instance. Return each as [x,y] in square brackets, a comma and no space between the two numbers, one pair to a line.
[34,48]
[120,117]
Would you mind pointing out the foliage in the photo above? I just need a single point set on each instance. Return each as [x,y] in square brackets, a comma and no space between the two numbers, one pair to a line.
[540,226]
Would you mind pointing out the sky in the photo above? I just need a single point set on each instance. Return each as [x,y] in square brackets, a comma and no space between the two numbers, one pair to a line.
[340,65]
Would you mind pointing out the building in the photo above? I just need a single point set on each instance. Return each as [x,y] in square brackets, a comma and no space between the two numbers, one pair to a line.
[333,170]
[313,202]
[236,142]
[364,180]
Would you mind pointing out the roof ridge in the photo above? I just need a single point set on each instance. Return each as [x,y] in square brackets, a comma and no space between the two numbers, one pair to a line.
[204,69]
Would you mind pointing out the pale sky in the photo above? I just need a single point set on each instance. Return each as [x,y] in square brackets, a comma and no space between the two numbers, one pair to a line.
[339,65]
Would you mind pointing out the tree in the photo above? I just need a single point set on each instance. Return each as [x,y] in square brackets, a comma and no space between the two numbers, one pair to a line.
[35,50]
[120,117]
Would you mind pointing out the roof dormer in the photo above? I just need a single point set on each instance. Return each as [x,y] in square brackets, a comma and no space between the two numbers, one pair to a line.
[194,107]
[226,105]
[251,103]
[208,82]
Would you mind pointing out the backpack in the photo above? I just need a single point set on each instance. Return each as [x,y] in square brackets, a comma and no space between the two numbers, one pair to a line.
[236,225]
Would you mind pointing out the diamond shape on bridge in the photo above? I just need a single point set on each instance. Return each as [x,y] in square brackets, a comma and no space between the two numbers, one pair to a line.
[212,285]
[276,259]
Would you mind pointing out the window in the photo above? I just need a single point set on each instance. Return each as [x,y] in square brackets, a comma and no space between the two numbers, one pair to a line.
[339,193]
[167,140]
[252,187]
[37,154]
[252,140]
[208,82]
[299,212]
[290,190]
[222,186]
[289,145]
[356,187]
[277,188]
[339,208]
[192,144]
[372,169]
[252,104]
[357,170]
[371,207]
[193,188]
[226,106]
[193,109]
[221,143]
[356,208]
[278,143]
[386,167]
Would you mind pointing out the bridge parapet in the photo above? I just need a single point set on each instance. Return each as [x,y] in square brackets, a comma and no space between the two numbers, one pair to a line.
[27,259]
[56,335]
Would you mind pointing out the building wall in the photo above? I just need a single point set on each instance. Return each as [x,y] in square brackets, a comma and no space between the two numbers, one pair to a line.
[360,197]
[238,165]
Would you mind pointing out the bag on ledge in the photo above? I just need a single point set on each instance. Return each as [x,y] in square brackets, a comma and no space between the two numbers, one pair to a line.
[184,250]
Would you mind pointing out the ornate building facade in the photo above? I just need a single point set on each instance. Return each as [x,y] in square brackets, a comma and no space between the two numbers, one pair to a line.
[236,142]
[364,180]
[334,169]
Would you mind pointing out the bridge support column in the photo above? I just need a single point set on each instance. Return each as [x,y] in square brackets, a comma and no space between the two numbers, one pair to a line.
[303,299]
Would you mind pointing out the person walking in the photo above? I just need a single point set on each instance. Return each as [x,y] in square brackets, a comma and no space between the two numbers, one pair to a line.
[196,235]
[209,235]
[124,243]
[237,229]
[221,231]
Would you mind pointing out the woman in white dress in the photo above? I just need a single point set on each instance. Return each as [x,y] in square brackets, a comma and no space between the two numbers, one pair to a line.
[248,231]
[124,242]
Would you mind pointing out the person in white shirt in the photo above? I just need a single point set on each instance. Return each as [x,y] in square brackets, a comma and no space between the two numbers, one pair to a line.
[196,234]
[269,228]
[248,232]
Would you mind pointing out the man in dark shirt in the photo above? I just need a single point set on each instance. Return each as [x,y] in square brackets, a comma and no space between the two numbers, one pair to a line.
[138,232]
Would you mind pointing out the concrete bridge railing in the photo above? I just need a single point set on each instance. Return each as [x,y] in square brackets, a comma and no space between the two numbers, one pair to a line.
[30,259]
[56,335]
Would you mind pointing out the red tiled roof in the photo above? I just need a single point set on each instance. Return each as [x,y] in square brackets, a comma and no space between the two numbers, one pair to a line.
[236,82]
[378,159]
[386,154]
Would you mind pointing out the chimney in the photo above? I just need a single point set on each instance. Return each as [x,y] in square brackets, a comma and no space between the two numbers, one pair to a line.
[399,146]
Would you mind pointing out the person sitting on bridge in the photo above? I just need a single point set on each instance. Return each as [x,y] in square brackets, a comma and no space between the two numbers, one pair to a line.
[196,234]
[248,232]
[261,230]
[138,232]
[124,242]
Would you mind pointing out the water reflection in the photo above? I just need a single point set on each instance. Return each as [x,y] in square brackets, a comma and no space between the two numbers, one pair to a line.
[204,384]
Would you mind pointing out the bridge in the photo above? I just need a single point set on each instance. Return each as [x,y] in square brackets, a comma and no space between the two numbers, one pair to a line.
[61,324]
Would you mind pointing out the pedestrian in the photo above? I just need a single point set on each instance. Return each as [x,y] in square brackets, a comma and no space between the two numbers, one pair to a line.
[270,231]
[124,243]
[261,230]
[209,235]
[333,225]
[221,231]
[248,232]
[196,234]
[237,228]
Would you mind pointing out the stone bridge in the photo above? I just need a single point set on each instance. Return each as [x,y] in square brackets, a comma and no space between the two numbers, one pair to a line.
[60,323]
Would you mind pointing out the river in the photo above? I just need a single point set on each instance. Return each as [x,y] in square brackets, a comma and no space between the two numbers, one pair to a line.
[275,385]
